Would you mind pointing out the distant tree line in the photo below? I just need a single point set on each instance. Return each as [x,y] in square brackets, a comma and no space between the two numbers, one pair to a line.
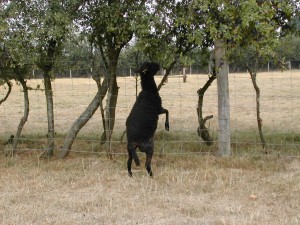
[76,60]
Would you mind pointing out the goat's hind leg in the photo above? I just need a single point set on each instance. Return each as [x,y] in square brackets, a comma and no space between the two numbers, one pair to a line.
[148,148]
[148,163]
[131,148]
[129,162]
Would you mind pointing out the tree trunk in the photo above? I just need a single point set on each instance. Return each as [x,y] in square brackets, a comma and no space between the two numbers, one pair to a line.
[50,115]
[24,118]
[111,103]
[9,84]
[84,118]
[257,91]
[202,130]
[184,75]
[223,99]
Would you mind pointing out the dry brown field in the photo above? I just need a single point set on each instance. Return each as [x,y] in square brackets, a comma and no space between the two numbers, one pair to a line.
[279,102]
[192,188]
[280,109]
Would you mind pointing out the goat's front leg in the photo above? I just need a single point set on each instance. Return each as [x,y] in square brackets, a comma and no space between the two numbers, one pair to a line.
[165,111]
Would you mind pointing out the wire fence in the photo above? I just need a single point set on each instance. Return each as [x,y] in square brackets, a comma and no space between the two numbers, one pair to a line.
[280,112]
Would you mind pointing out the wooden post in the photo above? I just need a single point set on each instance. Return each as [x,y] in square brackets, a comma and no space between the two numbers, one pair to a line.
[223,99]
[184,74]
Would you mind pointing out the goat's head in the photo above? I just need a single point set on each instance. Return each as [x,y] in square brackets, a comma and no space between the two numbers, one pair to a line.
[148,68]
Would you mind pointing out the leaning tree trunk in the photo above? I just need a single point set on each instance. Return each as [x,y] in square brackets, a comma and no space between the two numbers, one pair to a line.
[50,115]
[202,129]
[257,91]
[9,84]
[23,119]
[84,117]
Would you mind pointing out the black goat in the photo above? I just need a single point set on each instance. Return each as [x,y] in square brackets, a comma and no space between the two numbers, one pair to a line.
[141,123]
[10,140]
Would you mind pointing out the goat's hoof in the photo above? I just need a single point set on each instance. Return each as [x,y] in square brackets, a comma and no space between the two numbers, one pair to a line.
[151,174]
[130,174]
[167,127]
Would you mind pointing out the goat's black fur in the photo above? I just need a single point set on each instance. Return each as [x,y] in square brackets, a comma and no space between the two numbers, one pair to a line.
[141,123]
[10,140]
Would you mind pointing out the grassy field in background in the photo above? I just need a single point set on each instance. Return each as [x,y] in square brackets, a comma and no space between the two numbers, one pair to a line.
[280,111]
[190,185]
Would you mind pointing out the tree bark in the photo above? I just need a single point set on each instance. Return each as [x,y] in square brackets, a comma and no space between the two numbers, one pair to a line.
[50,115]
[46,63]
[253,75]
[84,117]
[202,129]
[9,84]
[23,119]
[111,103]
[111,61]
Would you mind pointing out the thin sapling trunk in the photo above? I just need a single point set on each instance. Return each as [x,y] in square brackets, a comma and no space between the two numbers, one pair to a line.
[50,115]
[253,75]
[23,119]
[202,130]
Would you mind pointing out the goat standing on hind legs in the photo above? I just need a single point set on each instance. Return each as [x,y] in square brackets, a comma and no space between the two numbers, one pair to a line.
[141,123]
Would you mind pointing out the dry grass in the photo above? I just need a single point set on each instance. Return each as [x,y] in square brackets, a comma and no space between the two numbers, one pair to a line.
[185,190]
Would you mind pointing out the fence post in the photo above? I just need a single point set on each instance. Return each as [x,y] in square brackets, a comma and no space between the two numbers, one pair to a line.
[184,74]
[223,99]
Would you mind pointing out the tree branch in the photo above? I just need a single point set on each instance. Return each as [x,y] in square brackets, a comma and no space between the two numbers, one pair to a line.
[9,84]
